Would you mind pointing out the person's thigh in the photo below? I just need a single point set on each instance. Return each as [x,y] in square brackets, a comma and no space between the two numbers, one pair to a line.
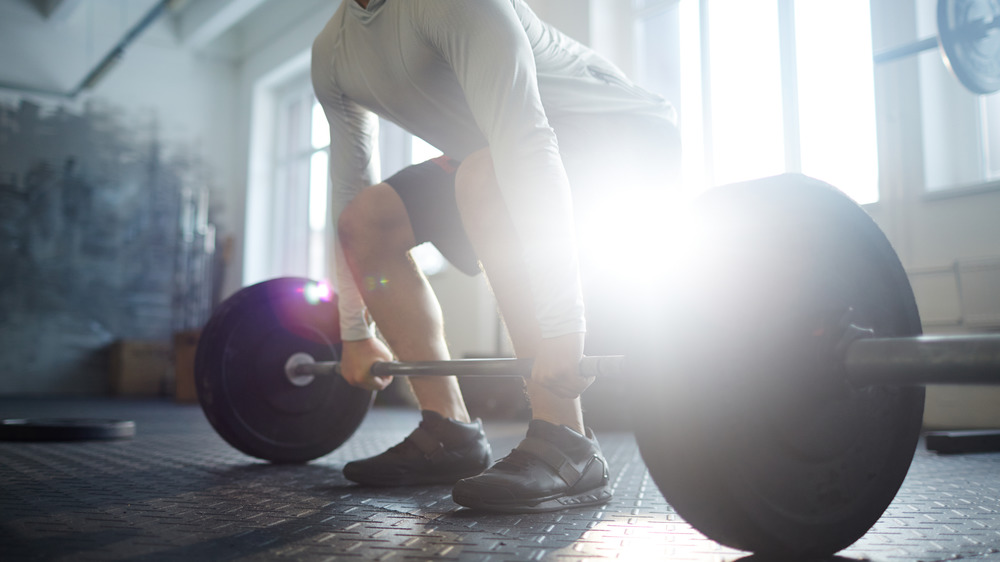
[428,193]
[621,171]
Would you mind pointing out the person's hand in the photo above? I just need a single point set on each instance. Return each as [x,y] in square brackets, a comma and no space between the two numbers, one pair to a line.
[356,363]
[557,366]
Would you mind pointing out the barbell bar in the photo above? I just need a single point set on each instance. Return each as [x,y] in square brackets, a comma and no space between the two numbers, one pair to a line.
[975,30]
[908,361]
[907,50]
[969,40]
[590,366]
[924,360]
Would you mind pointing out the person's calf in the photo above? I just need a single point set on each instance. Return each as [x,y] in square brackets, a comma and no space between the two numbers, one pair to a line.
[547,406]
[376,235]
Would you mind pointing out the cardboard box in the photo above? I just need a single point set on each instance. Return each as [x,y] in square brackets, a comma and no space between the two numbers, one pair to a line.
[139,368]
[185,345]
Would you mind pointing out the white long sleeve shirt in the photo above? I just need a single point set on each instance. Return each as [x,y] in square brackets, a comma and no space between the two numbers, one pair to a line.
[464,75]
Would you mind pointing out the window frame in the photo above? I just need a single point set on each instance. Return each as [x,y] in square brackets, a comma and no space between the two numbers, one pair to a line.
[706,159]
[290,180]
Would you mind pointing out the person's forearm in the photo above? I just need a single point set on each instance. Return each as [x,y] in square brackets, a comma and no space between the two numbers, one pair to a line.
[492,59]
[544,222]
[353,320]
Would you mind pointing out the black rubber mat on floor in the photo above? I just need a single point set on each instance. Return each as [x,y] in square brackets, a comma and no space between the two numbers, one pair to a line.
[178,492]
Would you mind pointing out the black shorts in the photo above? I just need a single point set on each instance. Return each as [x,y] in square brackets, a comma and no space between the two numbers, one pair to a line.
[603,159]
[428,193]
[598,154]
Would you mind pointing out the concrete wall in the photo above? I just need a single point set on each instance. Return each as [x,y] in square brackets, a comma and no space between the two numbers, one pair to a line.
[95,187]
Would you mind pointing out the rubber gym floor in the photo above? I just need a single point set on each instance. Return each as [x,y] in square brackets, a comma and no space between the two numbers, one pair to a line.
[177,491]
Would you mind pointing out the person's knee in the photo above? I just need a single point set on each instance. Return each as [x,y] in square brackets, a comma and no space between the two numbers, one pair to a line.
[476,190]
[375,223]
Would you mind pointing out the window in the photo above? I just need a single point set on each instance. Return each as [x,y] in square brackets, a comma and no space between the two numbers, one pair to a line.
[420,151]
[836,95]
[426,256]
[661,42]
[745,90]
[319,187]
[961,131]
[990,110]
[288,228]
[397,147]
[760,92]
[299,201]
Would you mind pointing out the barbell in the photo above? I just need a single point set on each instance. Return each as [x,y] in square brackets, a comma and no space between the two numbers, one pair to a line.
[909,361]
[969,40]
[777,381]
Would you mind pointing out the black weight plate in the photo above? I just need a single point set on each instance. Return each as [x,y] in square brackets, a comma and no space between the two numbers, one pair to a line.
[969,33]
[65,429]
[746,422]
[242,386]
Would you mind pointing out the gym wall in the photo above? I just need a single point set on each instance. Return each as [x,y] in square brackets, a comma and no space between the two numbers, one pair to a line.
[943,225]
[199,102]
[97,191]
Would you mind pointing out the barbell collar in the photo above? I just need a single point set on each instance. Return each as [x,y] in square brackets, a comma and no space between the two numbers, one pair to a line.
[924,360]
[595,366]
[319,369]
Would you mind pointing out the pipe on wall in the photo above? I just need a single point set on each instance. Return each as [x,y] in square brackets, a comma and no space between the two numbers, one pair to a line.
[106,64]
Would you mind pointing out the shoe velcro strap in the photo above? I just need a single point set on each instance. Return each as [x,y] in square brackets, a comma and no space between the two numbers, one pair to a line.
[427,443]
[550,455]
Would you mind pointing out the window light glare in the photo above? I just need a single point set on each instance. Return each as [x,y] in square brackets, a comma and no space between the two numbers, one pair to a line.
[745,71]
[837,95]
[422,151]
[428,259]
[691,123]
[320,128]
[318,168]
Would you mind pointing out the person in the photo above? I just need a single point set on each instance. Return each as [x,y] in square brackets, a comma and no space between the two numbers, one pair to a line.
[536,132]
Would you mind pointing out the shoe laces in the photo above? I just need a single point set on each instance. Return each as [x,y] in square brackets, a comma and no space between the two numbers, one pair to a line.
[407,445]
[404,447]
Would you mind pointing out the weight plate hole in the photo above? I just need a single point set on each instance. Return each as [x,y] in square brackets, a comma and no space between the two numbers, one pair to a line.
[294,361]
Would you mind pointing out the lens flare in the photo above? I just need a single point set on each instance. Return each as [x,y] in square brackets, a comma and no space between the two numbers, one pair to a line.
[372,283]
[317,292]
[637,239]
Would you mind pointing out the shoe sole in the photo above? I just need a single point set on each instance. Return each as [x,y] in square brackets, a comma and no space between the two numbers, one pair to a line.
[399,482]
[597,496]
[413,480]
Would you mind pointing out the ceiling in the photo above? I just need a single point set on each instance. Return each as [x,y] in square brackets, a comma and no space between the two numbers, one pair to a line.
[196,23]
[52,46]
